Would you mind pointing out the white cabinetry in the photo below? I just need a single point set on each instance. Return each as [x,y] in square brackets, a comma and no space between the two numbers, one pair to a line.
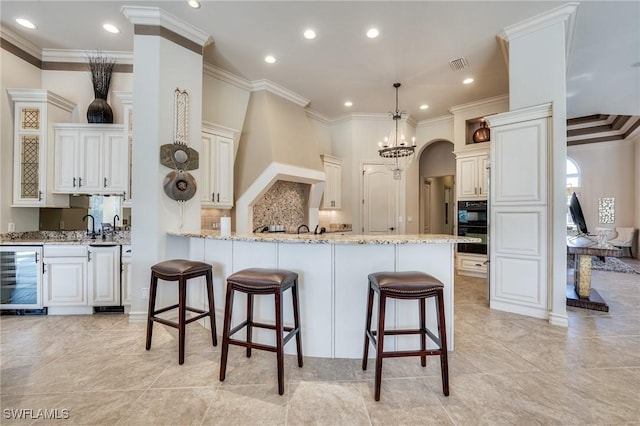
[520,210]
[65,276]
[332,198]
[126,275]
[472,175]
[217,161]
[104,276]
[91,159]
[474,265]
[33,165]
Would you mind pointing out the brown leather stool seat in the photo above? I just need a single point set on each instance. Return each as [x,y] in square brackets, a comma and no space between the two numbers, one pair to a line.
[180,270]
[262,281]
[406,285]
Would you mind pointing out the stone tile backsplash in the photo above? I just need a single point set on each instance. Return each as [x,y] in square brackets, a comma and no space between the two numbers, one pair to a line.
[285,203]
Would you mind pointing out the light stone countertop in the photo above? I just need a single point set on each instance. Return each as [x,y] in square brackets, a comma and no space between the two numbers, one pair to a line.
[331,238]
[62,237]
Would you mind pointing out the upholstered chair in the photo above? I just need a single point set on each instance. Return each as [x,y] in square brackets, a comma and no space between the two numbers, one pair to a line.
[627,238]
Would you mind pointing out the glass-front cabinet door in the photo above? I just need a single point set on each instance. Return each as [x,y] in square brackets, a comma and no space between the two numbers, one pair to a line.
[20,277]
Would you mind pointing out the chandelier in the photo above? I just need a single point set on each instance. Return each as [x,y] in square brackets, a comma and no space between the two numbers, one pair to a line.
[394,151]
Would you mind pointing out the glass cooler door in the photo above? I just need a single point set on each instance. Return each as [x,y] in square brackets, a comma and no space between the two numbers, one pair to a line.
[20,277]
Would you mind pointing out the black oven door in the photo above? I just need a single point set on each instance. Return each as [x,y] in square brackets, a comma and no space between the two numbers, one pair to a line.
[476,232]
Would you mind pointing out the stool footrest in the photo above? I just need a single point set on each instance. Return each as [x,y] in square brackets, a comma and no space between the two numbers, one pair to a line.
[252,345]
[397,354]
[168,308]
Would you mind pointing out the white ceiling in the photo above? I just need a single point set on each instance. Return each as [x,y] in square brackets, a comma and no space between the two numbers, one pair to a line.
[417,40]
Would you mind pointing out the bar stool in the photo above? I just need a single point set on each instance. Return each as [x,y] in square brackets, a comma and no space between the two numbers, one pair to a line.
[413,286]
[180,270]
[259,281]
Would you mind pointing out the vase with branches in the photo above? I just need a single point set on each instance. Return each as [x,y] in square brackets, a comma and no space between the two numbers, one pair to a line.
[101,68]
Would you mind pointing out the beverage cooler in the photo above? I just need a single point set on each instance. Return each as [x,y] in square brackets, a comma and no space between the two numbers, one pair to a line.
[20,277]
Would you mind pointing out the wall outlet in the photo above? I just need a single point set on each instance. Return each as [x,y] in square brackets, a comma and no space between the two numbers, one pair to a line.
[12,227]
[61,224]
[409,218]
[144,293]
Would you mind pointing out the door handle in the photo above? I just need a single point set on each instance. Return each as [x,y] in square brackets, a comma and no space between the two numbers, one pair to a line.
[392,229]
[105,182]
[218,197]
[79,182]
[74,182]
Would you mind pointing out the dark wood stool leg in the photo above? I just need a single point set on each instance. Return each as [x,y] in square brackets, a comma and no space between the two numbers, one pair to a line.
[228,307]
[182,317]
[249,322]
[152,306]
[423,331]
[380,345]
[367,329]
[279,341]
[212,309]
[442,332]
[296,321]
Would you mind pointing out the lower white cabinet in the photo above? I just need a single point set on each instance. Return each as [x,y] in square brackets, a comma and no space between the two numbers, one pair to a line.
[474,265]
[126,275]
[78,277]
[65,275]
[104,276]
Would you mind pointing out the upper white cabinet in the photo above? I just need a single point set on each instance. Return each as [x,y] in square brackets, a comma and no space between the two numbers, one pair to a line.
[91,159]
[472,175]
[34,109]
[217,161]
[332,197]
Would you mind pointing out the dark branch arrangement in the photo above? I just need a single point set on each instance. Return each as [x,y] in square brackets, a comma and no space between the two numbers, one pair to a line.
[101,69]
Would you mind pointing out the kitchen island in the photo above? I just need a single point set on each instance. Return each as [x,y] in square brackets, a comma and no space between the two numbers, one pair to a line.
[333,271]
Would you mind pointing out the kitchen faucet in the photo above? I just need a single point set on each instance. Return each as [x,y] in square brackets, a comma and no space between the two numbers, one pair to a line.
[302,226]
[115,221]
[93,225]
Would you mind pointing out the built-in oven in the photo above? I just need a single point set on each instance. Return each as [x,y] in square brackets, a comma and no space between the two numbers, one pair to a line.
[472,222]
[20,278]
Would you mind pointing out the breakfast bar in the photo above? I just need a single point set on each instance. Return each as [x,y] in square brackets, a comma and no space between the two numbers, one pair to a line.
[333,271]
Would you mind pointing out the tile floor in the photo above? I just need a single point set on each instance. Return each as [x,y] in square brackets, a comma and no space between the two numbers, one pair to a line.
[506,369]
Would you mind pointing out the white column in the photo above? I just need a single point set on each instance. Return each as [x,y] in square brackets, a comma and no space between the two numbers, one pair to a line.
[167,54]
[536,51]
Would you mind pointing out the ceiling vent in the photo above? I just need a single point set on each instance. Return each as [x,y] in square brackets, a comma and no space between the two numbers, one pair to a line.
[459,64]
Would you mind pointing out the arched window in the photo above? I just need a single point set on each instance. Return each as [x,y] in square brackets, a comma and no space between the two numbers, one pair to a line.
[573,185]
[573,176]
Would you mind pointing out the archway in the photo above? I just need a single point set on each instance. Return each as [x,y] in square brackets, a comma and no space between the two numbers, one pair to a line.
[436,180]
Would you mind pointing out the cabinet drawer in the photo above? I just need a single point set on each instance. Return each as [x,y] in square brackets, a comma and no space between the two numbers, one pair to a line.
[473,265]
[66,250]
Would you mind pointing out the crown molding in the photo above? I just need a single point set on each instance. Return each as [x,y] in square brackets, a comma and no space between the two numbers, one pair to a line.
[276,89]
[227,77]
[315,115]
[80,56]
[481,103]
[524,114]
[157,17]
[434,121]
[41,95]
[20,42]
[563,14]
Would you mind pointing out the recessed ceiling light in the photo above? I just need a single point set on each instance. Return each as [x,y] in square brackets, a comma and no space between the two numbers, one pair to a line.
[425,106]
[309,34]
[194,4]
[348,104]
[373,33]
[467,81]
[26,23]
[111,28]
[270,59]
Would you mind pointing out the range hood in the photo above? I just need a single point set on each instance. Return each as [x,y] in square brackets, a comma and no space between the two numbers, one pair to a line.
[277,143]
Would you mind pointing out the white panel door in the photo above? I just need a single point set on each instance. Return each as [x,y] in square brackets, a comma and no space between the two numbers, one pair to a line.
[380,202]
[90,161]
[116,163]
[66,160]
[104,276]
[65,281]
[467,173]
[223,168]
[519,279]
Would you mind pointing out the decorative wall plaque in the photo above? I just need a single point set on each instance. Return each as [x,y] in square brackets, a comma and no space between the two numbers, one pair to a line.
[607,210]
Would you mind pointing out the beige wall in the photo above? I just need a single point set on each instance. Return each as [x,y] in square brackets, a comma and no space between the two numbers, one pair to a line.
[223,103]
[607,169]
